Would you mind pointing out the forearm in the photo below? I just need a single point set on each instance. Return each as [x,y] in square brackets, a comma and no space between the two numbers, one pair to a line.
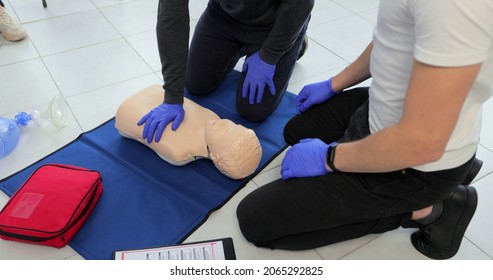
[355,73]
[290,20]
[390,149]
[429,117]
[172,30]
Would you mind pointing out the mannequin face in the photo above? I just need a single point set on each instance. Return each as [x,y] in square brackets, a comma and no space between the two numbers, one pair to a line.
[234,149]
[222,136]
[222,131]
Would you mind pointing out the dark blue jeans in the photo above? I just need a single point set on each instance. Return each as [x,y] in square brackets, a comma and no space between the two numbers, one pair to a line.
[305,213]
[219,41]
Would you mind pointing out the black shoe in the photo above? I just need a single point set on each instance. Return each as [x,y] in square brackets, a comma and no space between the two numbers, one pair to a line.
[441,239]
[476,166]
[304,47]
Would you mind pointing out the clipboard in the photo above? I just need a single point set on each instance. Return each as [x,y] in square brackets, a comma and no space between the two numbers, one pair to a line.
[215,249]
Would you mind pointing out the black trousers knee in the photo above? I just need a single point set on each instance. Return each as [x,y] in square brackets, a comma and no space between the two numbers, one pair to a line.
[218,43]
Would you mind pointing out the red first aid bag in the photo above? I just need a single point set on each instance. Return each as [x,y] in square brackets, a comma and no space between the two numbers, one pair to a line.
[51,205]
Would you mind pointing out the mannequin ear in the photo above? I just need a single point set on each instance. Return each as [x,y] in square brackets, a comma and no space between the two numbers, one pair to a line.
[218,162]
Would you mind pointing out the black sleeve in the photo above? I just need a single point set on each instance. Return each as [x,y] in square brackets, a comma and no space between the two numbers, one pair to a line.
[172,30]
[290,19]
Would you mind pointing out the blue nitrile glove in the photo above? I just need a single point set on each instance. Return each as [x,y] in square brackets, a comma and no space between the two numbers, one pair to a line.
[305,159]
[259,74]
[158,118]
[314,94]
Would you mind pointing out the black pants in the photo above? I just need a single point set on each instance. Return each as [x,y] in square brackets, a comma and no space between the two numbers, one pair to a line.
[1,3]
[219,41]
[305,213]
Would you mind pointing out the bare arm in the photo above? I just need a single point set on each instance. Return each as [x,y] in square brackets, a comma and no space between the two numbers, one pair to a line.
[355,73]
[432,106]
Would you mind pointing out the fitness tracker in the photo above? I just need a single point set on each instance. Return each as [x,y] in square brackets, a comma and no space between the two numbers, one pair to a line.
[331,153]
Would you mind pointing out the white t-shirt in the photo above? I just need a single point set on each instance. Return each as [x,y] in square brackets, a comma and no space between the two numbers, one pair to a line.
[444,33]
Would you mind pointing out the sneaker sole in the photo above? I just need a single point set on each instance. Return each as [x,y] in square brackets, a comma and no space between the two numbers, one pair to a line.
[13,37]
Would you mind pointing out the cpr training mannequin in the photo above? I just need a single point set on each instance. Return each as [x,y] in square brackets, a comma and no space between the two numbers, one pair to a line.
[234,149]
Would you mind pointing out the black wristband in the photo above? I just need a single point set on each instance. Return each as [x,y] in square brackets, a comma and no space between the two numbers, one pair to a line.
[331,154]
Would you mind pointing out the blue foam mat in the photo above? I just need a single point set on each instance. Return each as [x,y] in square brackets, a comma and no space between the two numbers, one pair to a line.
[147,202]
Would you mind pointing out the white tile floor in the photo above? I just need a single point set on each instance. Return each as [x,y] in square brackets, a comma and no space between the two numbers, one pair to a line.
[97,52]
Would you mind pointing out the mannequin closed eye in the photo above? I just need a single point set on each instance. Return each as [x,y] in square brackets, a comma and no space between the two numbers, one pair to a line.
[222,134]
[220,126]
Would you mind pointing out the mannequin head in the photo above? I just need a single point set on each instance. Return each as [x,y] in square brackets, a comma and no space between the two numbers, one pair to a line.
[234,149]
